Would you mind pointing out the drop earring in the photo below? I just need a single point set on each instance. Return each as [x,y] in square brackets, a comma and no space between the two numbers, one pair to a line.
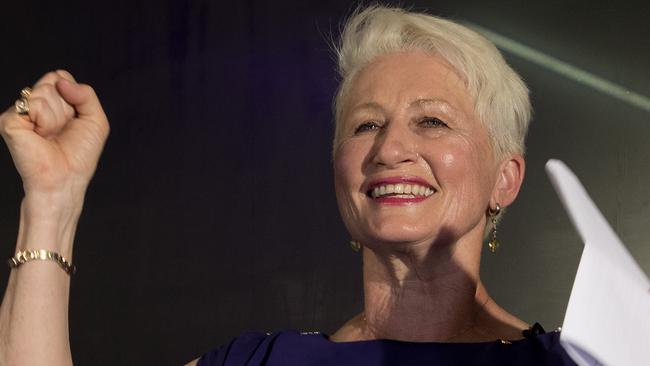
[493,244]
[355,245]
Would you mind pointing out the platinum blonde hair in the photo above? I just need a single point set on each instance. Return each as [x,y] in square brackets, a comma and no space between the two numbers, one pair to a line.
[500,96]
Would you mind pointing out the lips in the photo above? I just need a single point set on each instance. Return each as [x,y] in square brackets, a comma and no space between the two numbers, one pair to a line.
[406,189]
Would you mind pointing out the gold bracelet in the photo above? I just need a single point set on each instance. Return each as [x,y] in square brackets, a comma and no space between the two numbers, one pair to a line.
[42,254]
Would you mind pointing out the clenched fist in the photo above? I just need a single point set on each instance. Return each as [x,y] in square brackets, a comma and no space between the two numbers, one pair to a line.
[56,146]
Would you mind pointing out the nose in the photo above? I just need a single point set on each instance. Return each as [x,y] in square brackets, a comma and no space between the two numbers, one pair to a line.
[394,146]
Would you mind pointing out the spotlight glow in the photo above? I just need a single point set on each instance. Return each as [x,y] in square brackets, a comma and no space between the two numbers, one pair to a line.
[571,72]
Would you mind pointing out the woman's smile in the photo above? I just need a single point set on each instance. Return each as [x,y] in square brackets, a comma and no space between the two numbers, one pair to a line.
[399,190]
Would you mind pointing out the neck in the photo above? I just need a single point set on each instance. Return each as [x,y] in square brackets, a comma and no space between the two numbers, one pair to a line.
[428,295]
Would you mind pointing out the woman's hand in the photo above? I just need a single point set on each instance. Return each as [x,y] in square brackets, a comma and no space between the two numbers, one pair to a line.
[56,149]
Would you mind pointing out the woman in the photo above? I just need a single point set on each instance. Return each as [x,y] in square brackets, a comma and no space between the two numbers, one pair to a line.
[430,127]
[430,124]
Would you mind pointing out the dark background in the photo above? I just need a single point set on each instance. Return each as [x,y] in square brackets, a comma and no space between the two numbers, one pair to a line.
[212,211]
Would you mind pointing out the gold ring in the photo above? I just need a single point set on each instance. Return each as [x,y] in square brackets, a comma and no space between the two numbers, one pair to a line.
[26,92]
[22,107]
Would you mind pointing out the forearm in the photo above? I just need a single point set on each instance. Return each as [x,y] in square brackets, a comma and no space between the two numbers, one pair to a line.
[34,311]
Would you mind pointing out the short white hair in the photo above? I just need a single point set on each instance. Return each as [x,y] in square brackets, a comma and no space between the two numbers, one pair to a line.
[500,96]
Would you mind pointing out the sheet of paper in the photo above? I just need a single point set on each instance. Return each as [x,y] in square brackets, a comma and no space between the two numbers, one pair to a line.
[607,321]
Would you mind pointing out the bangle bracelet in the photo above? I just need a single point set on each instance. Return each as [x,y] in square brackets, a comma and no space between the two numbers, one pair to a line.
[42,254]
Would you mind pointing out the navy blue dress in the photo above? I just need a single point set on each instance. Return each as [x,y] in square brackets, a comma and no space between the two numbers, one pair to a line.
[291,348]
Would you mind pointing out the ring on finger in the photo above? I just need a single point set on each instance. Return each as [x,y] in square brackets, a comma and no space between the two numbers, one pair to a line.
[22,106]
[26,92]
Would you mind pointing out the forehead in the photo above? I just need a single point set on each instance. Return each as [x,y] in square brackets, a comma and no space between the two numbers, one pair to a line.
[399,79]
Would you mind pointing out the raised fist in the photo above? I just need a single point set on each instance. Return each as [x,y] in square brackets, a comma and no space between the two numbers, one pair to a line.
[56,143]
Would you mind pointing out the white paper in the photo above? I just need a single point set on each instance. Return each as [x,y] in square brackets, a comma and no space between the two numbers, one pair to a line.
[607,321]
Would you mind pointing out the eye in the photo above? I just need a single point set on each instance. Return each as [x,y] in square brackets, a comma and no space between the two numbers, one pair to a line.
[366,126]
[432,122]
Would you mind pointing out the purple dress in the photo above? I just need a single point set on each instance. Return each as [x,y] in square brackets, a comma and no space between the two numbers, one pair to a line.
[291,348]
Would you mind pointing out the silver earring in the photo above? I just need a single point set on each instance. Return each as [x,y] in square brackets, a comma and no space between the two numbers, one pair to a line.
[493,244]
[355,245]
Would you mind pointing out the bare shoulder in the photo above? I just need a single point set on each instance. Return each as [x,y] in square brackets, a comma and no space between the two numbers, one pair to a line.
[501,323]
[193,363]
[350,331]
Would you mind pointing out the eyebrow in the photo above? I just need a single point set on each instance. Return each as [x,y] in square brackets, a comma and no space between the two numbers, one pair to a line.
[367,105]
[421,102]
[418,103]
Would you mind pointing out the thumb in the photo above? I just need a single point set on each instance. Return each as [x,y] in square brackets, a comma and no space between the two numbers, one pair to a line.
[82,97]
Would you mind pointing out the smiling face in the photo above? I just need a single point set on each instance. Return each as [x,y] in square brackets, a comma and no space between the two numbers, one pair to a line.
[414,164]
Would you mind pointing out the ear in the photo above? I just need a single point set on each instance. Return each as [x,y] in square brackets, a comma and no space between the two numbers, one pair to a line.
[510,176]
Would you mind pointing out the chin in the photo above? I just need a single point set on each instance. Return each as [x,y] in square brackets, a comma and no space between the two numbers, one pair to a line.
[399,233]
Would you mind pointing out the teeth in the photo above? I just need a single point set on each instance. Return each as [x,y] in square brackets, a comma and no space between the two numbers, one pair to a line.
[401,190]
[404,196]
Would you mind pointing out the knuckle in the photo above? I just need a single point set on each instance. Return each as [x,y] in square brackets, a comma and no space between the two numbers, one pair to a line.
[40,110]
[46,90]
[49,78]
[51,75]
[88,89]
[62,72]
[65,74]
[36,103]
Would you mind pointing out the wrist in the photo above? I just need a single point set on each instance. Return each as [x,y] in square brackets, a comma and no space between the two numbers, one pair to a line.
[53,206]
[49,222]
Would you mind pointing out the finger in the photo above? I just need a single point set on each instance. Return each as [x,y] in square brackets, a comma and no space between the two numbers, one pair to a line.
[66,75]
[43,117]
[47,83]
[62,110]
[48,110]
[53,76]
[50,78]
[11,122]
[82,97]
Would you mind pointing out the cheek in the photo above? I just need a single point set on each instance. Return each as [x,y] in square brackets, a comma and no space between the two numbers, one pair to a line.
[462,168]
[343,167]
[448,159]
[347,172]
[340,182]
[348,163]
[348,178]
